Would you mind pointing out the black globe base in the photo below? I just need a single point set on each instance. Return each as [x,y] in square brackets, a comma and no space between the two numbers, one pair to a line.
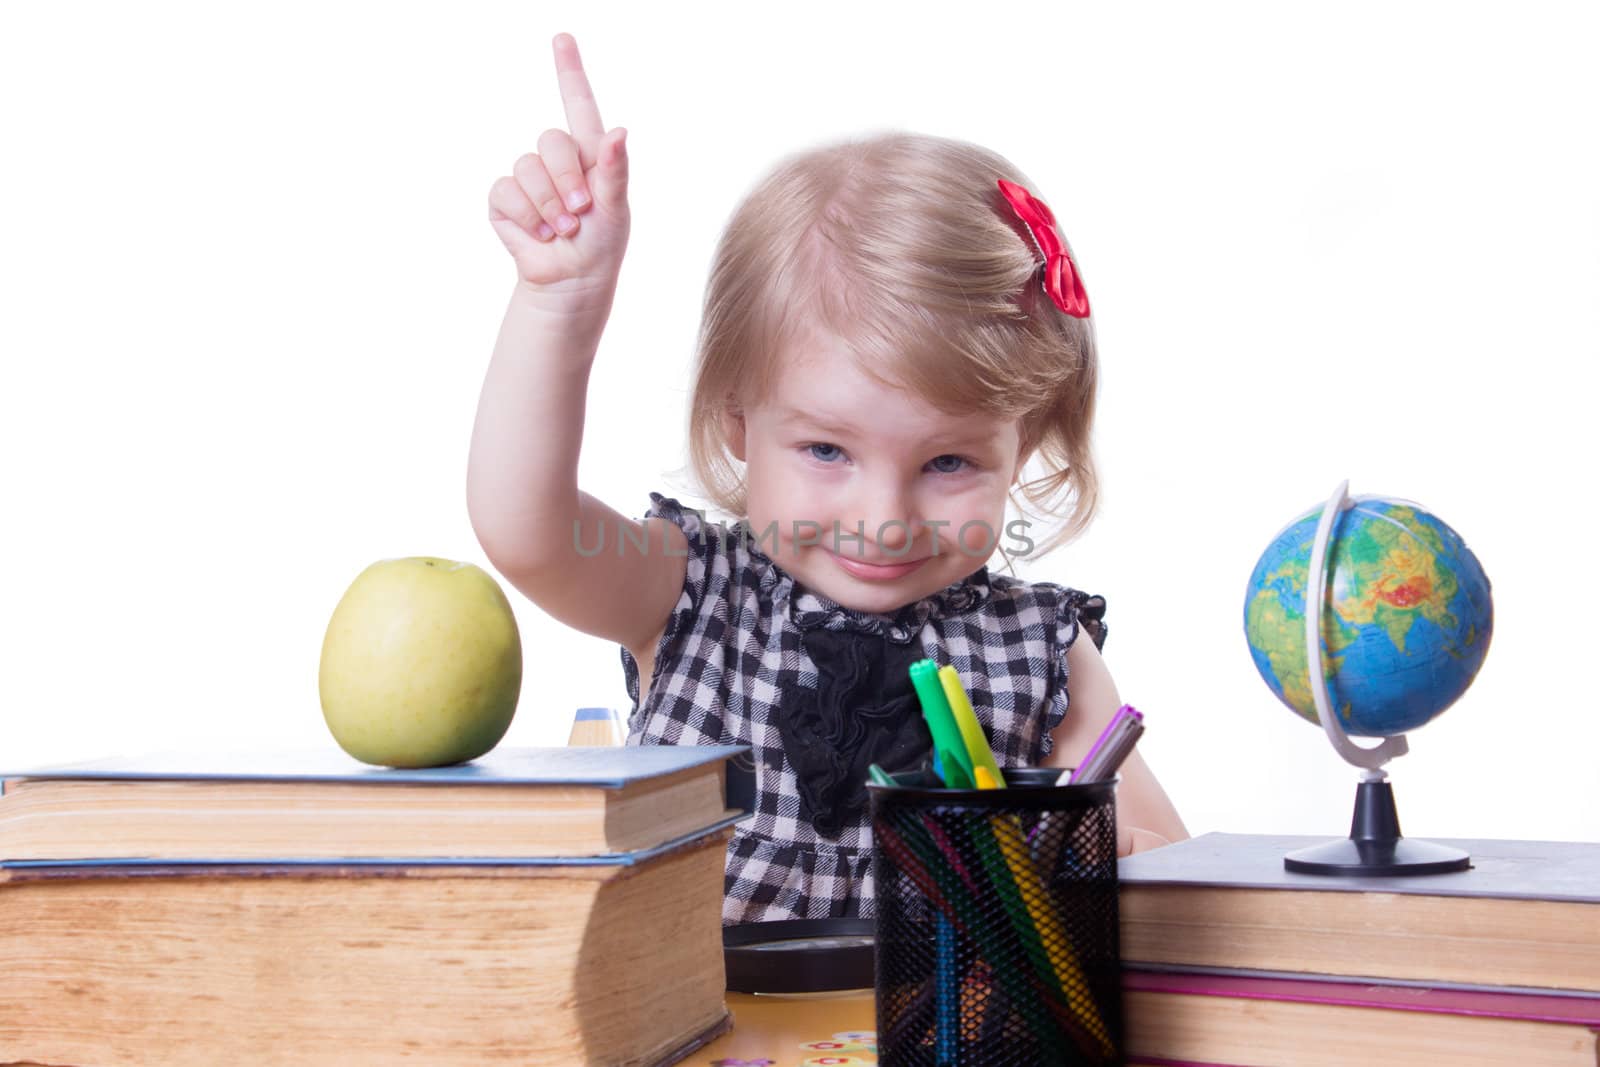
[1375,846]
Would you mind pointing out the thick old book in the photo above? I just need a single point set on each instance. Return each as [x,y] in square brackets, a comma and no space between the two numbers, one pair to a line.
[1188,1020]
[567,804]
[1527,914]
[338,965]
[554,906]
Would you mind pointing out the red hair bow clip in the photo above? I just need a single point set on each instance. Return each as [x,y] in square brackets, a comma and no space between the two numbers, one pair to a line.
[1061,278]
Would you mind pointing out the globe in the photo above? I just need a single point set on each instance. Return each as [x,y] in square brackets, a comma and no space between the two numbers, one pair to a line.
[1405,624]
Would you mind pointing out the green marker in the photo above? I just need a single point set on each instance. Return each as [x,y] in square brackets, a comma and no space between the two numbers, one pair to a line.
[878,776]
[954,760]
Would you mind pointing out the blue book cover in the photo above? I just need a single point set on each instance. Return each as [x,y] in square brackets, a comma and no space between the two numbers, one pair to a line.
[607,768]
[1557,871]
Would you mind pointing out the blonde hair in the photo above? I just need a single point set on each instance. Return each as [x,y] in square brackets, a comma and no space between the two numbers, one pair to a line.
[901,245]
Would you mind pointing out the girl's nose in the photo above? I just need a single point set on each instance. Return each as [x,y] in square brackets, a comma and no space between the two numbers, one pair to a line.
[891,524]
[894,534]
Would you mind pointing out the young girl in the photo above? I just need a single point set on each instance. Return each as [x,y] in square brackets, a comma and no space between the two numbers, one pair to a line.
[893,327]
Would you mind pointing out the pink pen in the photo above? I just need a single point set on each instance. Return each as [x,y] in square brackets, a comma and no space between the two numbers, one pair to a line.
[1098,764]
[1109,749]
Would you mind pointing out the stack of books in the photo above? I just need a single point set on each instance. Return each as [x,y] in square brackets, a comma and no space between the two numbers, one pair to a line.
[1232,961]
[535,906]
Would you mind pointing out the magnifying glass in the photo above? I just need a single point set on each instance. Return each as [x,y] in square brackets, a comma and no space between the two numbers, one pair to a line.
[799,956]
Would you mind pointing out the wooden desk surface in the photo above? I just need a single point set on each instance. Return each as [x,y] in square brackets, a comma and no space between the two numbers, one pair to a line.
[821,1030]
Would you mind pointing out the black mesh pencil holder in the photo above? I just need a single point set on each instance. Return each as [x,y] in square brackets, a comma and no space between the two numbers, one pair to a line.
[997,929]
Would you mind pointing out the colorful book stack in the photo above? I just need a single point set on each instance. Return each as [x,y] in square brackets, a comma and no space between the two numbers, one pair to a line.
[557,905]
[1232,961]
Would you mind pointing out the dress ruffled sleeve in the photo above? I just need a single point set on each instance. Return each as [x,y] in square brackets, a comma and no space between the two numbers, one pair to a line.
[704,545]
[1077,613]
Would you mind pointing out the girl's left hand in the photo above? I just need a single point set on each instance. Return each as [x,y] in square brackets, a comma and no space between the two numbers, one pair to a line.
[1131,839]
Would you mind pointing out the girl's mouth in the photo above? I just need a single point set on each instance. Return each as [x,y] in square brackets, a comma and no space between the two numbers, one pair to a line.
[876,572]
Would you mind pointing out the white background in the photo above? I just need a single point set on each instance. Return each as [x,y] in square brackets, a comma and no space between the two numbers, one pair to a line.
[249,294]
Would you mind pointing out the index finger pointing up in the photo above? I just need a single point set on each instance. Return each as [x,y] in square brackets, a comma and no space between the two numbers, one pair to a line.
[583,115]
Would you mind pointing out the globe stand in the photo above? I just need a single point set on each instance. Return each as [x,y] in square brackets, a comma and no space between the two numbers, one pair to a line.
[1374,846]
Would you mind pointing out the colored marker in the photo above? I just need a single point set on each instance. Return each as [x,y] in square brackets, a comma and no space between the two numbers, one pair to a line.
[1110,749]
[972,739]
[1053,939]
[1052,969]
[987,780]
[947,990]
[878,776]
[917,857]
[1100,764]
[954,763]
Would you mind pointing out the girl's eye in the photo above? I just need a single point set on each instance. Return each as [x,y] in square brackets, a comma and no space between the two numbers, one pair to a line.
[947,464]
[825,453]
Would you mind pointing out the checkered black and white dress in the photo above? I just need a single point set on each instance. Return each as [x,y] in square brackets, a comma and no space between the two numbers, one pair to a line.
[733,664]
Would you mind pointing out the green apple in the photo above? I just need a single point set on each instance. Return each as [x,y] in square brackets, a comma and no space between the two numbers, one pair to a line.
[421,664]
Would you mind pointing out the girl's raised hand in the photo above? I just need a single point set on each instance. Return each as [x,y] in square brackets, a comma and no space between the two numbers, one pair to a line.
[563,213]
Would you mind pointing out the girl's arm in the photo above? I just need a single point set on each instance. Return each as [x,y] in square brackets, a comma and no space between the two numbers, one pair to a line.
[1146,818]
[522,473]
[529,515]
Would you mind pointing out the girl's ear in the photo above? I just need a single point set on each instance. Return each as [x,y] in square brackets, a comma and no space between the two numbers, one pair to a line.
[733,430]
